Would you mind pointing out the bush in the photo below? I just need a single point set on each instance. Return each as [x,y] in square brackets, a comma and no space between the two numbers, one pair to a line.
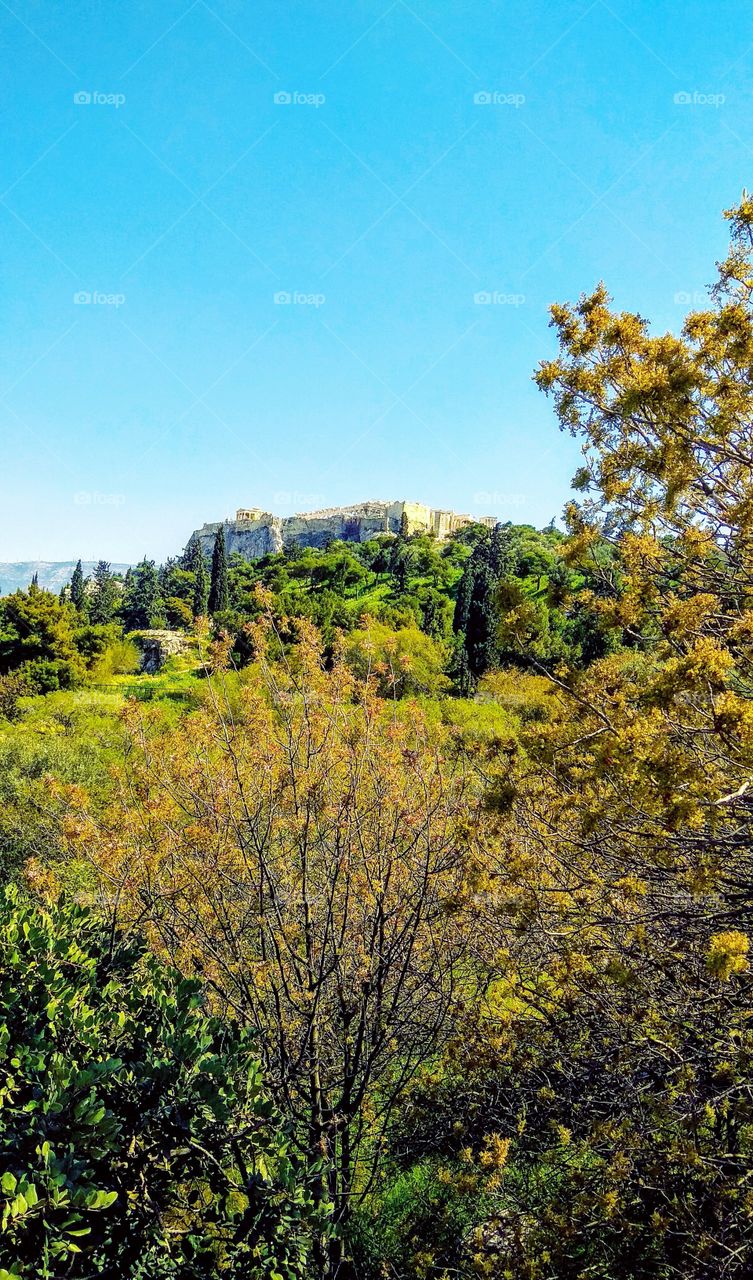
[405,661]
[120,658]
[135,1136]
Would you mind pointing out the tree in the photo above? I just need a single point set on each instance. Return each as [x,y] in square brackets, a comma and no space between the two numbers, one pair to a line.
[37,637]
[103,602]
[598,1107]
[476,615]
[404,526]
[464,595]
[401,563]
[482,622]
[623,1079]
[13,687]
[142,605]
[137,1139]
[218,590]
[300,853]
[503,556]
[201,583]
[404,662]
[78,588]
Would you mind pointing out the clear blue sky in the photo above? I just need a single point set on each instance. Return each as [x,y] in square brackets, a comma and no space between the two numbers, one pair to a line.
[184,197]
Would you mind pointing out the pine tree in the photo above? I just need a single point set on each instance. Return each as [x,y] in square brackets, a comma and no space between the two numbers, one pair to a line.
[35,582]
[219,595]
[104,599]
[78,588]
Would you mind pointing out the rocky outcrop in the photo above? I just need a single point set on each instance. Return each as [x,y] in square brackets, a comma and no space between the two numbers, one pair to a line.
[156,647]
[255,533]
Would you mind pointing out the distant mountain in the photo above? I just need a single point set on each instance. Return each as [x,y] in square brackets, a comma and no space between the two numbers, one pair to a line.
[53,574]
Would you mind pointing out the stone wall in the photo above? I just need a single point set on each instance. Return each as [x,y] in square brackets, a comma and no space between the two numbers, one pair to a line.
[254,533]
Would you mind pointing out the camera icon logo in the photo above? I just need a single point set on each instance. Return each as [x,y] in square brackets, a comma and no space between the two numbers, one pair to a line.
[82,99]
[283,99]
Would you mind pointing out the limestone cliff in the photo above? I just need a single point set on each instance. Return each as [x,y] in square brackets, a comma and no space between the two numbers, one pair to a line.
[254,533]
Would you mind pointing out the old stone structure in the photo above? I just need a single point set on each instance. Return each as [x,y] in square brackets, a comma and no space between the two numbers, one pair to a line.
[155,647]
[255,533]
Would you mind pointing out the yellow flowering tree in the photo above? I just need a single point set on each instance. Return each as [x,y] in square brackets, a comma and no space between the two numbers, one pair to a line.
[301,847]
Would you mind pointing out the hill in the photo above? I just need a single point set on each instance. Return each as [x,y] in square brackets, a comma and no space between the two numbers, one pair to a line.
[53,574]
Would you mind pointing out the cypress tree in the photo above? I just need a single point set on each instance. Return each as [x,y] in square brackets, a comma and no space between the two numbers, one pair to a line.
[481,625]
[504,560]
[475,618]
[78,588]
[463,599]
[219,595]
[201,581]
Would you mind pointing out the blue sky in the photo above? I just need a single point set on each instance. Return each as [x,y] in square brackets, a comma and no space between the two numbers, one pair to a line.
[335,153]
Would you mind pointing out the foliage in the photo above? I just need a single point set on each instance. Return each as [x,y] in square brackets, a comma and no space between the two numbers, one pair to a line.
[77,590]
[120,657]
[302,849]
[37,638]
[218,587]
[104,595]
[404,662]
[136,1136]
[142,606]
[200,593]
[496,947]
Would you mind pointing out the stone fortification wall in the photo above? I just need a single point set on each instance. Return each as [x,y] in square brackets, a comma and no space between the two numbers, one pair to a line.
[254,533]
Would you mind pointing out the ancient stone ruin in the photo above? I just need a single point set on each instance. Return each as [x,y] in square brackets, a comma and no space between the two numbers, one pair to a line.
[254,533]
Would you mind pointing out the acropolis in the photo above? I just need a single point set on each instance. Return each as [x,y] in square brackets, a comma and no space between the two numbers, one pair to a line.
[254,532]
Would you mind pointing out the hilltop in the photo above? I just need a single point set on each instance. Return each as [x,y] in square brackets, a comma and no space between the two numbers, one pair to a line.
[255,533]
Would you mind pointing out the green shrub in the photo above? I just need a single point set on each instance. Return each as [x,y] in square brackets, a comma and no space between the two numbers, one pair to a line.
[136,1139]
